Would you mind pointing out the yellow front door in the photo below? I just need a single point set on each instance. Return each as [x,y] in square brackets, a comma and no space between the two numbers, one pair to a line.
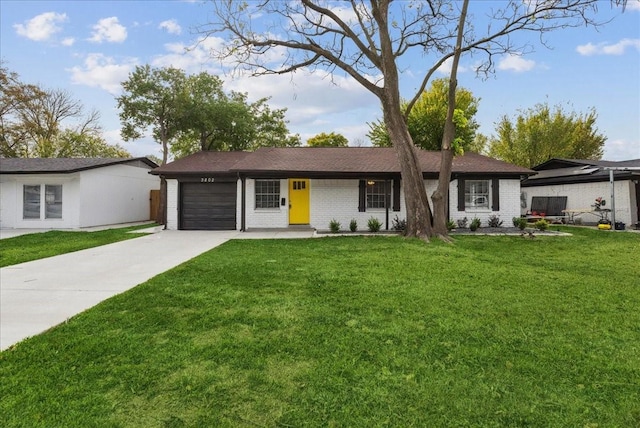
[298,201]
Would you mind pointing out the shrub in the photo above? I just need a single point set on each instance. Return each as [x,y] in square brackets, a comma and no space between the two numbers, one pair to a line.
[475,224]
[494,221]
[451,225]
[520,222]
[399,225]
[542,224]
[334,226]
[462,222]
[374,224]
[353,225]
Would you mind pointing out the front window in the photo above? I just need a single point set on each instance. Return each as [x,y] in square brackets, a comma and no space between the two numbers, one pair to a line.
[476,194]
[34,199]
[31,204]
[53,201]
[267,193]
[376,194]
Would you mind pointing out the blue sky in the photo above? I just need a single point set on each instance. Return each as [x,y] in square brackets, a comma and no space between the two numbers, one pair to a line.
[89,47]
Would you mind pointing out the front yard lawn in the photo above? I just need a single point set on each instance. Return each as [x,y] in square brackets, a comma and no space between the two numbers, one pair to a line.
[36,246]
[352,332]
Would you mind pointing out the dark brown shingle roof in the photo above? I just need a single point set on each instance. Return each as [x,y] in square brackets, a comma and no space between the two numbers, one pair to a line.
[363,160]
[202,162]
[62,165]
[330,161]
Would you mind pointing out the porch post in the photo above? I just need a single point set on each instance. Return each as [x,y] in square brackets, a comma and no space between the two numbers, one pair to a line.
[243,194]
[613,200]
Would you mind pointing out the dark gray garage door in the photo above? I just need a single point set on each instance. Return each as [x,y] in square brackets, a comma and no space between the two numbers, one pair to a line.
[208,206]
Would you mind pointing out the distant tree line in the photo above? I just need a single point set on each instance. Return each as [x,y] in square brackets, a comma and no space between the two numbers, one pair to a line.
[40,122]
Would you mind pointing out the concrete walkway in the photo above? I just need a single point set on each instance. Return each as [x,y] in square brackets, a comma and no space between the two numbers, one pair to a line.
[38,295]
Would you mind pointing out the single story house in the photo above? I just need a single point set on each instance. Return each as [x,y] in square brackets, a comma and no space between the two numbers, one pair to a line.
[573,185]
[311,186]
[70,193]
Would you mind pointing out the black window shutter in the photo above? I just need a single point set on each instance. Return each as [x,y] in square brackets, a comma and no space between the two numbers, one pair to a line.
[396,194]
[460,194]
[495,194]
[362,196]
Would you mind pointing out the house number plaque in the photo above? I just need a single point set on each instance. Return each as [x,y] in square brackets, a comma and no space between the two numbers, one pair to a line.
[207,179]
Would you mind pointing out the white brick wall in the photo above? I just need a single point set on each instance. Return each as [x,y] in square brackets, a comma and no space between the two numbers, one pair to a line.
[271,217]
[331,199]
[509,204]
[582,196]
[338,199]
[172,204]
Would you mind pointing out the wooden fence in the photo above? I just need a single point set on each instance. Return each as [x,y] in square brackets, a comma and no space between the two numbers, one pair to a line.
[154,204]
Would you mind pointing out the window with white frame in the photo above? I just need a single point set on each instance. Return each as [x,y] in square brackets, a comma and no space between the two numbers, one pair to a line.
[376,195]
[476,194]
[37,204]
[31,202]
[267,194]
[52,201]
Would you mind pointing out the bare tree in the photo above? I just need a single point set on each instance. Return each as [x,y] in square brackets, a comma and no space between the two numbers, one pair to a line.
[367,39]
[36,122]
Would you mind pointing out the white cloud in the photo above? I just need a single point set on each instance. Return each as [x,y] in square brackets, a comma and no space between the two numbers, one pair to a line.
[633,5]
[312,99]
[68,41]
[109,30]
[171,26]
[42,27]
[445,68]
[608,49]
[515,62]
[619,150]
[103,72]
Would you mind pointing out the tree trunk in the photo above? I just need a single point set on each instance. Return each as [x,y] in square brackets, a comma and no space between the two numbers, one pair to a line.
[415,195]
[440,196]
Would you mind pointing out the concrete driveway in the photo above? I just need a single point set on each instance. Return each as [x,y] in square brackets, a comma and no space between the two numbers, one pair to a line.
[38,295]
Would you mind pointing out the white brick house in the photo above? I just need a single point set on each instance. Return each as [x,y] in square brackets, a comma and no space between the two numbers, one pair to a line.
[580,182]
[310,187]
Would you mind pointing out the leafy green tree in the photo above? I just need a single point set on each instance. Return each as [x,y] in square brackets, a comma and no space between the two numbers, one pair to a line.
[214,120]
[153,98]
[427,118]
[328,140]
[541,133]
[271,127]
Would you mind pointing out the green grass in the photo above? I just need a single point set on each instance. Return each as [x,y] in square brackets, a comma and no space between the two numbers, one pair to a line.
[34,246]
[352,332]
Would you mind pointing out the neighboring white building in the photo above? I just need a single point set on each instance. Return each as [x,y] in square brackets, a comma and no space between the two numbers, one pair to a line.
[578,183]
[65,193]
[308,186]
